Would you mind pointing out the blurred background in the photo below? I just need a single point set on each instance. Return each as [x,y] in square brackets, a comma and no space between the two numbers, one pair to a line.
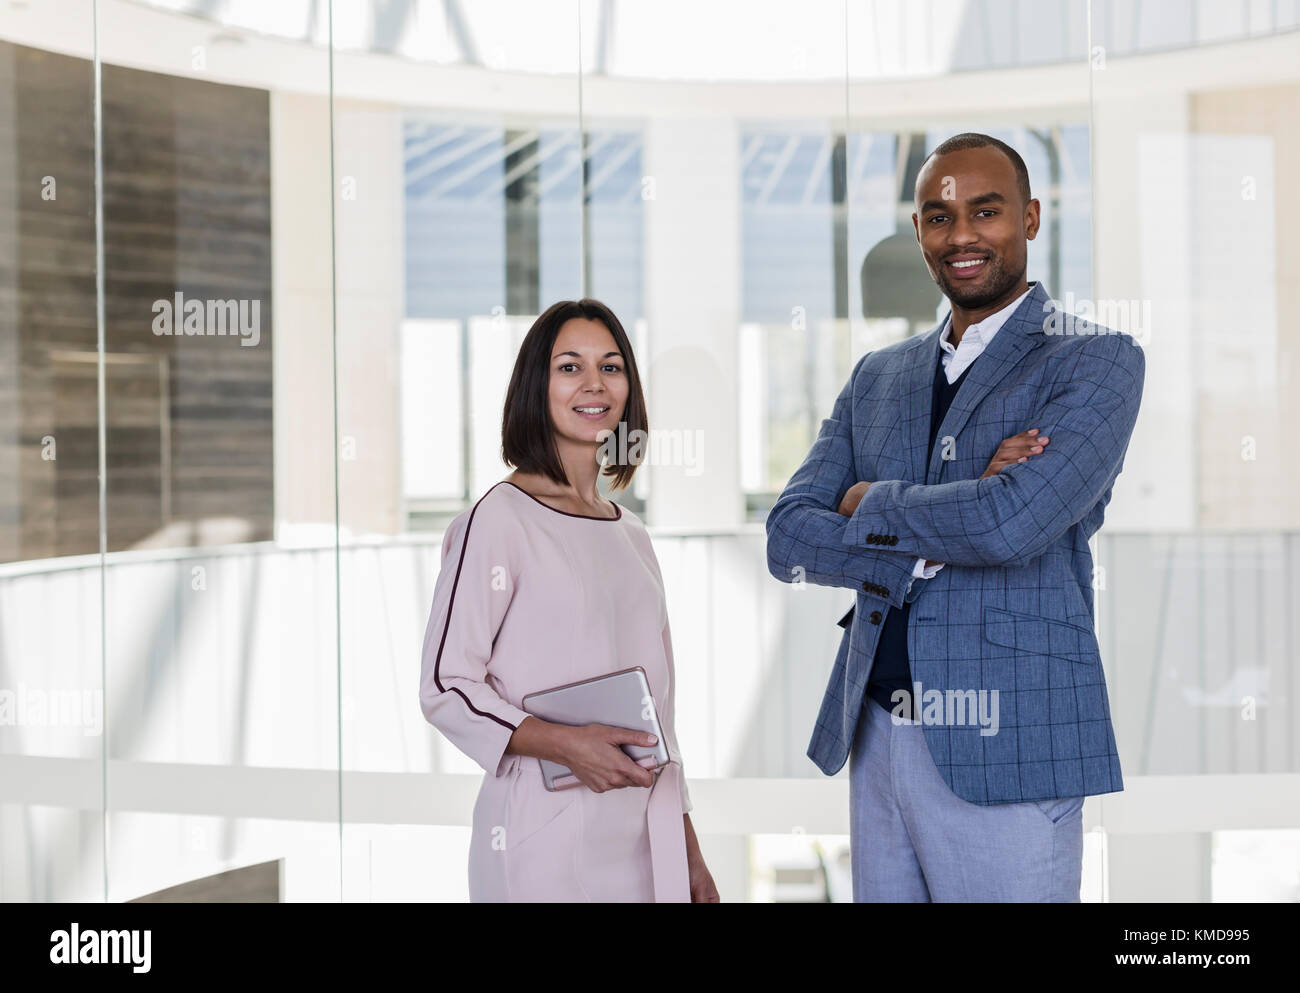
[263,271]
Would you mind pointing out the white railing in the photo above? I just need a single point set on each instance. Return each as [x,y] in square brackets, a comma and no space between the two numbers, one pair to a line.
[224,668]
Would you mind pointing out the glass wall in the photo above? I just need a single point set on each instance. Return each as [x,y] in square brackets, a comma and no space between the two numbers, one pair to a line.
[263,273]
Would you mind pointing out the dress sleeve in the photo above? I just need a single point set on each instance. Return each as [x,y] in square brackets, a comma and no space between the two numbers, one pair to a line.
[470,600]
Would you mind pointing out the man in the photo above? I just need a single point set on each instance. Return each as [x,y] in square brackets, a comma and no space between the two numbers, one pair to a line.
[954,487]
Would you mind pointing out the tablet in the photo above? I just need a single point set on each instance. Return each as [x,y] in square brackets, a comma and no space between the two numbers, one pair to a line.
[619,699]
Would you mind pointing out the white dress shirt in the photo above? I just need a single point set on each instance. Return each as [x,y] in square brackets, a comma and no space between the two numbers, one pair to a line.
[955,362]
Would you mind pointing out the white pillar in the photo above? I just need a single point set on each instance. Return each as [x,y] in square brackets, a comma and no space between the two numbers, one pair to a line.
[692,239]
[370,275]
[302,388]
[369,248]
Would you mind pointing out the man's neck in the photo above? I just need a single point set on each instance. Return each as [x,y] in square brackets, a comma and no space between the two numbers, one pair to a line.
[963,318]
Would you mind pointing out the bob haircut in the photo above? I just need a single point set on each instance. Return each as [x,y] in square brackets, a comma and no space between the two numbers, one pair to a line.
[527,430]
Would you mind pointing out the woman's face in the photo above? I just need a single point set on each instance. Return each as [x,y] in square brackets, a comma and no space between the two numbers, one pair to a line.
[588,385]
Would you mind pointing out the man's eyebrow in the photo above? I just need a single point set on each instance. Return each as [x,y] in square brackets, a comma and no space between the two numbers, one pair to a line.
[973,201]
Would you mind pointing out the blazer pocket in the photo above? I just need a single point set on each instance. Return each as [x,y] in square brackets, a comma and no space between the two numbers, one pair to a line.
[1041,635]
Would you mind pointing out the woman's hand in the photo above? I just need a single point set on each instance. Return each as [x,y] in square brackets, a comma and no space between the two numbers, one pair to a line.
[852,498]
[1015,449]
[702,888]
[593,755]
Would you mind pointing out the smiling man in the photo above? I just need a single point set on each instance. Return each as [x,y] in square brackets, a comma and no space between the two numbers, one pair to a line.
[954,488]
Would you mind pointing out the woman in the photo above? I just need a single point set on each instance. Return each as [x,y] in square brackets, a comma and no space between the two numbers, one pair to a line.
[544,582]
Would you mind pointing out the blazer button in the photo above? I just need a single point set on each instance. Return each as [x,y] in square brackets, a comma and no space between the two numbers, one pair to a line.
[893,539]
[875,617]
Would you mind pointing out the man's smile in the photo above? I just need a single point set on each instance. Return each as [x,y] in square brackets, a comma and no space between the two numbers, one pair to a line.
[966,266]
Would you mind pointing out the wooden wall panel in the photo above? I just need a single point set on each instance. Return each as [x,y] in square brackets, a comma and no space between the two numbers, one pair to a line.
[186,210]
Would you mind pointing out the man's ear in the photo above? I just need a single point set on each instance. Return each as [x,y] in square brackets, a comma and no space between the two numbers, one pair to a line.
[916,227]
[1031,219]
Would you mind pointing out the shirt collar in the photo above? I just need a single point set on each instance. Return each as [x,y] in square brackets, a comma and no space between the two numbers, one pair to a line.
[983,332]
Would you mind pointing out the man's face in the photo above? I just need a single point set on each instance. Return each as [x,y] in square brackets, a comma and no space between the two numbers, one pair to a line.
[972,226]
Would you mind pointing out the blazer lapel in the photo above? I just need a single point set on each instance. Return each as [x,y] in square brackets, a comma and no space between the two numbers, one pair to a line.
[1021,333]
[917,386]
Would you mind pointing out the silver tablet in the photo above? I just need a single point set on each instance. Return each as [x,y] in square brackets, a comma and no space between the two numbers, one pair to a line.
[619,699]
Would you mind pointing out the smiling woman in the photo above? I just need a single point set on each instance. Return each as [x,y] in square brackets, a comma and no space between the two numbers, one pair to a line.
[546,583]
[575,380]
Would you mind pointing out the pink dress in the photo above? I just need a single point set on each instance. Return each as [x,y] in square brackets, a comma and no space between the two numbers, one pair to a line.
[531,597]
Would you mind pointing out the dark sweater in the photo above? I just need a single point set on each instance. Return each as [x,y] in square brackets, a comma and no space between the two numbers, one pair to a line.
[892,670]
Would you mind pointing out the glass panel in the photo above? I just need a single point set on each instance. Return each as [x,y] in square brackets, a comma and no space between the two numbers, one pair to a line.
[459,219]
[1199,550]
[222,703]
[52,711]
[737,191]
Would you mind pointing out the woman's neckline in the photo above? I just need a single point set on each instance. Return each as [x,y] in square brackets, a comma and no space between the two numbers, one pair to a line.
[583,517]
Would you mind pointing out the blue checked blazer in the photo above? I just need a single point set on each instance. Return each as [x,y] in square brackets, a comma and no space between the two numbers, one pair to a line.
[1012,609]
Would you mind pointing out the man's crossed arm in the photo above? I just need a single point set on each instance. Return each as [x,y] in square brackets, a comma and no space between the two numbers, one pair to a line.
[1008,518]
[817,529]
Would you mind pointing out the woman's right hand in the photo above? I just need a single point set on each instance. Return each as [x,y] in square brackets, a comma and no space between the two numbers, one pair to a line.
[593,755]
[1017,448]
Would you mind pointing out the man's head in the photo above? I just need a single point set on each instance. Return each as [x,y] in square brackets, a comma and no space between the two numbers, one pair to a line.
[974,217]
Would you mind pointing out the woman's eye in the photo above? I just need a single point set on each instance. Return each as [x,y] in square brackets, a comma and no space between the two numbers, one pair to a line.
[613,368]
[567,366]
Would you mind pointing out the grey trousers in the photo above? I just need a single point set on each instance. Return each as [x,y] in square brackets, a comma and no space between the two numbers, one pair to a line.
[914,840]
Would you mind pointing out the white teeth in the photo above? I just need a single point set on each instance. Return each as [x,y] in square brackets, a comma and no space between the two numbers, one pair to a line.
[591,410]
[967,265]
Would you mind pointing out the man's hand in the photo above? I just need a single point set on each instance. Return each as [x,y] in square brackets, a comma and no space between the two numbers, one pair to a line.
[1015,449]
[852,498]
